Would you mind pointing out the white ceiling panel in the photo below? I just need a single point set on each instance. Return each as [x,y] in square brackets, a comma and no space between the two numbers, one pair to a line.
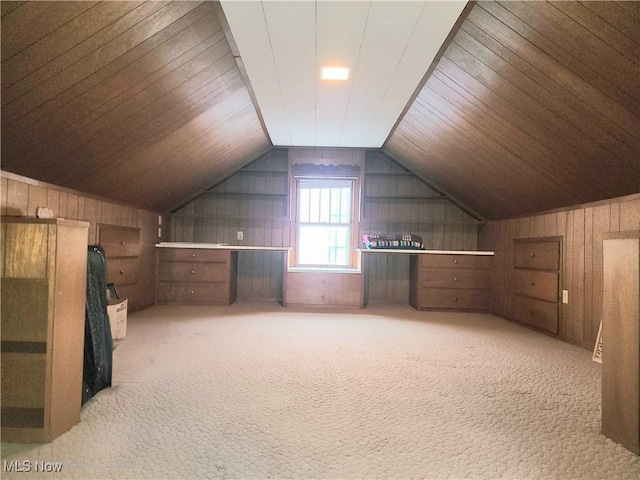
[342,11]
[388,46]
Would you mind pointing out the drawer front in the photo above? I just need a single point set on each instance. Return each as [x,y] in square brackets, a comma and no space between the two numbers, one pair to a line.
[542,285]
[456,279]
[193,272]
[455,261]
[538,255]
[193,255]
[324,281]
[122,271]
[471,299]
[215,293]
[338,298]
[120,241]
[537,313]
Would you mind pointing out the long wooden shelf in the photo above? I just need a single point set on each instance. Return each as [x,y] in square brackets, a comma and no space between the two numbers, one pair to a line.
[282,218]
[400,197]
[389,174]
[248,194]
[264,172]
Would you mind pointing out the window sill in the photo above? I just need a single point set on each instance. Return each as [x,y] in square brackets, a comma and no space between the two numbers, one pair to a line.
[324,270]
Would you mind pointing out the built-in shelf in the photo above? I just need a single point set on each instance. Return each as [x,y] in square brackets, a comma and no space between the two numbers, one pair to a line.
[389,174]
[234,217]
[401,197]
[249,194]
[264,172]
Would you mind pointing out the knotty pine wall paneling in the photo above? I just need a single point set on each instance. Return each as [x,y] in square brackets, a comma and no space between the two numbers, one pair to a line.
[21,196]
[583,229]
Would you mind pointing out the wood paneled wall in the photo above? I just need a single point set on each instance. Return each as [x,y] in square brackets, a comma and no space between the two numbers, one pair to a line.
[255,201]
[582,230]
[21,196]
[396,201]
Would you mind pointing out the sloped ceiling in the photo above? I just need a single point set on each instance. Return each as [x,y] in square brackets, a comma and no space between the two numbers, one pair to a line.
[533,105]
[140,102]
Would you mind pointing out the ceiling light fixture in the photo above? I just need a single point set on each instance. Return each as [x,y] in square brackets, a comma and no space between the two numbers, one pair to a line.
[334,73]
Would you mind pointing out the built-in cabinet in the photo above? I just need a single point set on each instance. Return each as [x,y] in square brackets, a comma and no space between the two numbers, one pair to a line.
[324,289]
[122,246]
[194,276]
[536,276]
[450,282]
[621,340]
[44,282]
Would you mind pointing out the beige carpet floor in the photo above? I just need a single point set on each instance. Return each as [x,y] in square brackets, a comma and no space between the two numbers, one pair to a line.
[259,391]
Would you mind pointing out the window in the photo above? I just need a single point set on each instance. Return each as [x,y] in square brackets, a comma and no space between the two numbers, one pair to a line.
[324,222]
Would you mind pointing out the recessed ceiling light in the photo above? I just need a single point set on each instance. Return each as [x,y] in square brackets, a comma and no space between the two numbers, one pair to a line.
[334,73]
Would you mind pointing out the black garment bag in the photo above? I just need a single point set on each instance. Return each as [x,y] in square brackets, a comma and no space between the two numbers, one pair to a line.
[98,344]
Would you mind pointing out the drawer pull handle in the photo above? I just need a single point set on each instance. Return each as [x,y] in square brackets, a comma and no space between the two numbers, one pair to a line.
[532,254]
[455,279]
[455,261]
[192,292]
[193,255]
[455,299]
[192,272]
[532,283]
[121,272]
[122,242]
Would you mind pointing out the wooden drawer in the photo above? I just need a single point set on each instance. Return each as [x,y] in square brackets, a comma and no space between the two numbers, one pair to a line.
[537,284]
[338,298]
[455,261]
[463,299]
[193,255]
[122,271]
[542,255]
[456,279]
[215,293]
[537,313]
[120,241]
[324,281]
[193,272]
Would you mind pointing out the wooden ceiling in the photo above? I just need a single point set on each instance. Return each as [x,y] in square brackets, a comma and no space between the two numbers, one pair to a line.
[533,105]
[141,102]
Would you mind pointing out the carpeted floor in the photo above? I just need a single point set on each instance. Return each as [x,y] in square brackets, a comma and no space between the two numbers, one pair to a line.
[258,391]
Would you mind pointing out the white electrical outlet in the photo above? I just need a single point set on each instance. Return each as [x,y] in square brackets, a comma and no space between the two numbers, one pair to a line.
[565,296]
[240,235]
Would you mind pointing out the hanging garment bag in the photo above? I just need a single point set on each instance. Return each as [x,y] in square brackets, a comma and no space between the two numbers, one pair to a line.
[98,346]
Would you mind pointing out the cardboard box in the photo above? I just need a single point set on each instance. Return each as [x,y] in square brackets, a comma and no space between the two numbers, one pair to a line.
[117,310]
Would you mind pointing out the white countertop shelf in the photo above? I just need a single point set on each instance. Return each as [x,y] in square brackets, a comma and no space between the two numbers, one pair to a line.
[221,246]
[409,251]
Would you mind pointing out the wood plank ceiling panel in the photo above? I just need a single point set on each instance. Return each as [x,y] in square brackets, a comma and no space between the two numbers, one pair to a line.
[142,102]
[533,106]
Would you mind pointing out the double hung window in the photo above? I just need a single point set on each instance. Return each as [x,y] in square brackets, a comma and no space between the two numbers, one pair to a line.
[324,222]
